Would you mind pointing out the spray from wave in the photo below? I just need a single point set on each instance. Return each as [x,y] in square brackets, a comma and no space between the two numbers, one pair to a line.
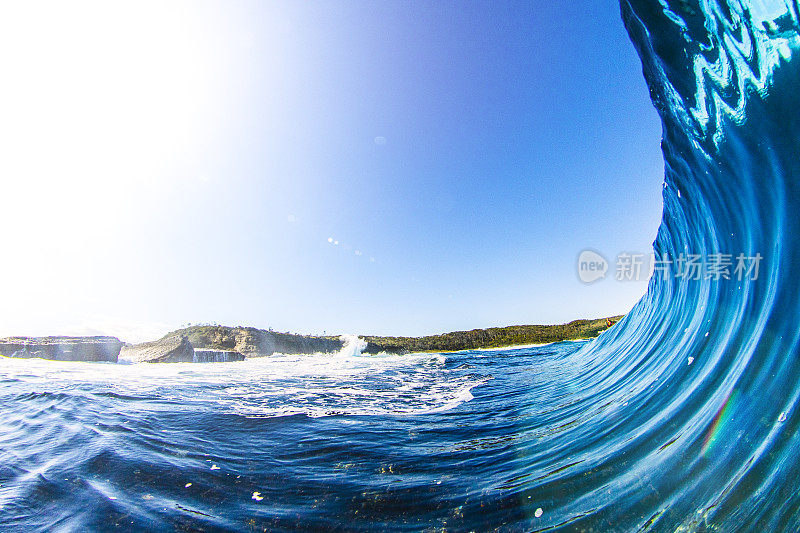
[352,346]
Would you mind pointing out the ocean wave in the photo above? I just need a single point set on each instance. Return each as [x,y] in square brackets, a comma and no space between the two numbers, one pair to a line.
[682,417]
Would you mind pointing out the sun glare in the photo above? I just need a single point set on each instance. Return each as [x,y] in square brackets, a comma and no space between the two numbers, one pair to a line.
[98,101]
[103,107]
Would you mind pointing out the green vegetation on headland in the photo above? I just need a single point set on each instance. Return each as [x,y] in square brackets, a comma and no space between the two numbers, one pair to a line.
[253,342]
[204,343]
[497,337]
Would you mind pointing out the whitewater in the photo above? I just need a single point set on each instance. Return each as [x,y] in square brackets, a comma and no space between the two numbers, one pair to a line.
[682,417]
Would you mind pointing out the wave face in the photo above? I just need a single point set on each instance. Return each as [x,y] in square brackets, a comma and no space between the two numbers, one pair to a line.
[712,364]
[683,417]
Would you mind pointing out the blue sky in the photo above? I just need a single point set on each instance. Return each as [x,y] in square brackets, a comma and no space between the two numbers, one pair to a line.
[191,162]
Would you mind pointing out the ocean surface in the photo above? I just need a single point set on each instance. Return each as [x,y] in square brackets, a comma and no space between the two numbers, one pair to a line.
[683,417]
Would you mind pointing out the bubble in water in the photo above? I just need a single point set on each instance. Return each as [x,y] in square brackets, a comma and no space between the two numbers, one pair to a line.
[782,417]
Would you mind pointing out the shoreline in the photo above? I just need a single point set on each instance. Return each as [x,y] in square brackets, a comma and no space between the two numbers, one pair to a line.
[214,343]
[509,347]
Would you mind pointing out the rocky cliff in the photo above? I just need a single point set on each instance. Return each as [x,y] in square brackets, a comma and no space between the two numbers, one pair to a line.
[172,350]
[253,342]
[176,349]
[216,356]
[92,349]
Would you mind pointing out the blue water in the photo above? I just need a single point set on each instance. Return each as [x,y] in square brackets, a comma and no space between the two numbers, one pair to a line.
[683,417]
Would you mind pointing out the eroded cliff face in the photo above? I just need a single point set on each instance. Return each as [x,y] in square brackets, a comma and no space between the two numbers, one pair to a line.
[91,349]
[253,342]
[223,344]
[170,350]
[216,356]
[176,349]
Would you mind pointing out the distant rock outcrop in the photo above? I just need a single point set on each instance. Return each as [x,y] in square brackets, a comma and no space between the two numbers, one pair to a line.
[176,349]
[167,350]
[253,342]
[93,349]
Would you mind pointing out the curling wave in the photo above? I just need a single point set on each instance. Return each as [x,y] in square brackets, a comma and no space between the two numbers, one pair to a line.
[708,364]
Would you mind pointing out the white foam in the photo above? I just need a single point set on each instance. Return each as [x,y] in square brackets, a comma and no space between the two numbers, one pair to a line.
[314,385]
[352,345]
